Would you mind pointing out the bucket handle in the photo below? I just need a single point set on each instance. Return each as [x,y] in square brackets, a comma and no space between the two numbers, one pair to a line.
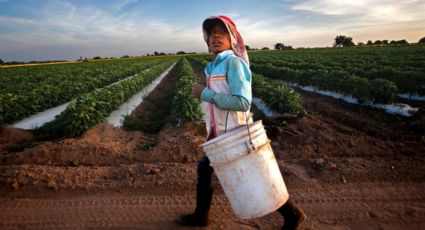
[253,147]
[249,133]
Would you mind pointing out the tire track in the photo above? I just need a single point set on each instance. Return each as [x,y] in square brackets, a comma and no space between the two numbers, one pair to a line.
[349,203]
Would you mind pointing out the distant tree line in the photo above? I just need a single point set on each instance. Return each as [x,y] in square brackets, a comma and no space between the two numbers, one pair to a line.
[85,59]
[281,46]
[250,48]
[345,41]
[340,41]
[30,62]
[384,42]
[155,53]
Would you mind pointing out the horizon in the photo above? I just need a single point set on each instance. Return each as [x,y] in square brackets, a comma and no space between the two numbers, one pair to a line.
[66,30]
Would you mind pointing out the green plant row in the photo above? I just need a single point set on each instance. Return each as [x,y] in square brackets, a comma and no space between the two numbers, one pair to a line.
[201,60]
[92,108]
[22,96]
[403,65]
[276,94]
[185,107]
[376,90]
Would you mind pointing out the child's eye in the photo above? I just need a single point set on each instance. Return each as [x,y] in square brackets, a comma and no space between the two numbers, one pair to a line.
[219,31]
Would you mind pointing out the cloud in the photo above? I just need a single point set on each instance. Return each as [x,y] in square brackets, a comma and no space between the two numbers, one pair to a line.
[4,20]
[95,31]
[62,29]
[232,15]
[332,7]
[377,11]
[123,3]
[316,23]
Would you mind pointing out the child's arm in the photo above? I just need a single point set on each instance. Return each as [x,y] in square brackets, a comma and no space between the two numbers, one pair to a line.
[239,81]
[229,102]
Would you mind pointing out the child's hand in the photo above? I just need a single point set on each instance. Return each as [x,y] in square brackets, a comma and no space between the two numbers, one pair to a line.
[197,90]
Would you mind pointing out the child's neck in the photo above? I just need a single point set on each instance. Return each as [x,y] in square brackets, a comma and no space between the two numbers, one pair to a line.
[215,54]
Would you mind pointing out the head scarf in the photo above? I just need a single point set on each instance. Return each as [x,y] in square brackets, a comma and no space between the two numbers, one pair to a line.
[237,43]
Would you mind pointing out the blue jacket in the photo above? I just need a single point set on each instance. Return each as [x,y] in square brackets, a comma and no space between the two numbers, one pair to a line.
[238,79]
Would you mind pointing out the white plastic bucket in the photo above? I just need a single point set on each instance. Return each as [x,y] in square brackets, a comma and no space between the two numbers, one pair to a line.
[248,173]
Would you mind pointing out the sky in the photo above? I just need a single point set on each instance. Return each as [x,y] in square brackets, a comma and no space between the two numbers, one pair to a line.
[65,30]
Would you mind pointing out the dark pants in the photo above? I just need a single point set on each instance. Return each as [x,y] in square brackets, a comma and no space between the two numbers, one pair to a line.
[204,187]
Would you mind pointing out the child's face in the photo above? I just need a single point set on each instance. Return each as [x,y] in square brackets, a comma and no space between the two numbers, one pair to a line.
[219,39]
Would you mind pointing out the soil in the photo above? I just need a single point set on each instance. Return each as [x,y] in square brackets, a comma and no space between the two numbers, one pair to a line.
[151,116]
[347,166]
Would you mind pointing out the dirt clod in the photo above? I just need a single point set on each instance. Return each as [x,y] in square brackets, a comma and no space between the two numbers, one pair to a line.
[319,163]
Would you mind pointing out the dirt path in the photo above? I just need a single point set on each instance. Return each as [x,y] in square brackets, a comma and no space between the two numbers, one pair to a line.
[329,206]
[347,166]
[155,111]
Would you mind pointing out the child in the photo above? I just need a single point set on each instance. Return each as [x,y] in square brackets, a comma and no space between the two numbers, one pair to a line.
[225,103]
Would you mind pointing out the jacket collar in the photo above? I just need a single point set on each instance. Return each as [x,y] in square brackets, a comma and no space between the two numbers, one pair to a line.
[223,55]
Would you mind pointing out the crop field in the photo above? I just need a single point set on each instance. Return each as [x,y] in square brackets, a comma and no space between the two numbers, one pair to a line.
[349,165]
[372,73]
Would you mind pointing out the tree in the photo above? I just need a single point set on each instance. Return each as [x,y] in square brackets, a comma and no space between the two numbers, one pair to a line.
[399,42]
[360,44]
[181,52]
[339,40]
[247,47]
[369,43]
[343,41]
[402,42]
[378,42]
[422,41]
[279,46]
[1,62]
[265,48]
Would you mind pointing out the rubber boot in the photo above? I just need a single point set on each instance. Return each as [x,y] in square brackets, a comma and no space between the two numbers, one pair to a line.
[200,216]
[204,193]
[292,215]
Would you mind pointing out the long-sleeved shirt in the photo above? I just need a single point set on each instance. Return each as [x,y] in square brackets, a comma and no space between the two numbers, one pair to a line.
[238,79]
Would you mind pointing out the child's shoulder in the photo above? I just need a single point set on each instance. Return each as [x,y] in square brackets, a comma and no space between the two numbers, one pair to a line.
[235,60]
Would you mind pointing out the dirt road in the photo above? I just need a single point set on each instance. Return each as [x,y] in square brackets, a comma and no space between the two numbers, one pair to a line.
[370,205]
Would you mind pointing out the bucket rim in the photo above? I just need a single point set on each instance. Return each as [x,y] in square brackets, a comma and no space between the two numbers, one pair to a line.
[231,133]
[229,144]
